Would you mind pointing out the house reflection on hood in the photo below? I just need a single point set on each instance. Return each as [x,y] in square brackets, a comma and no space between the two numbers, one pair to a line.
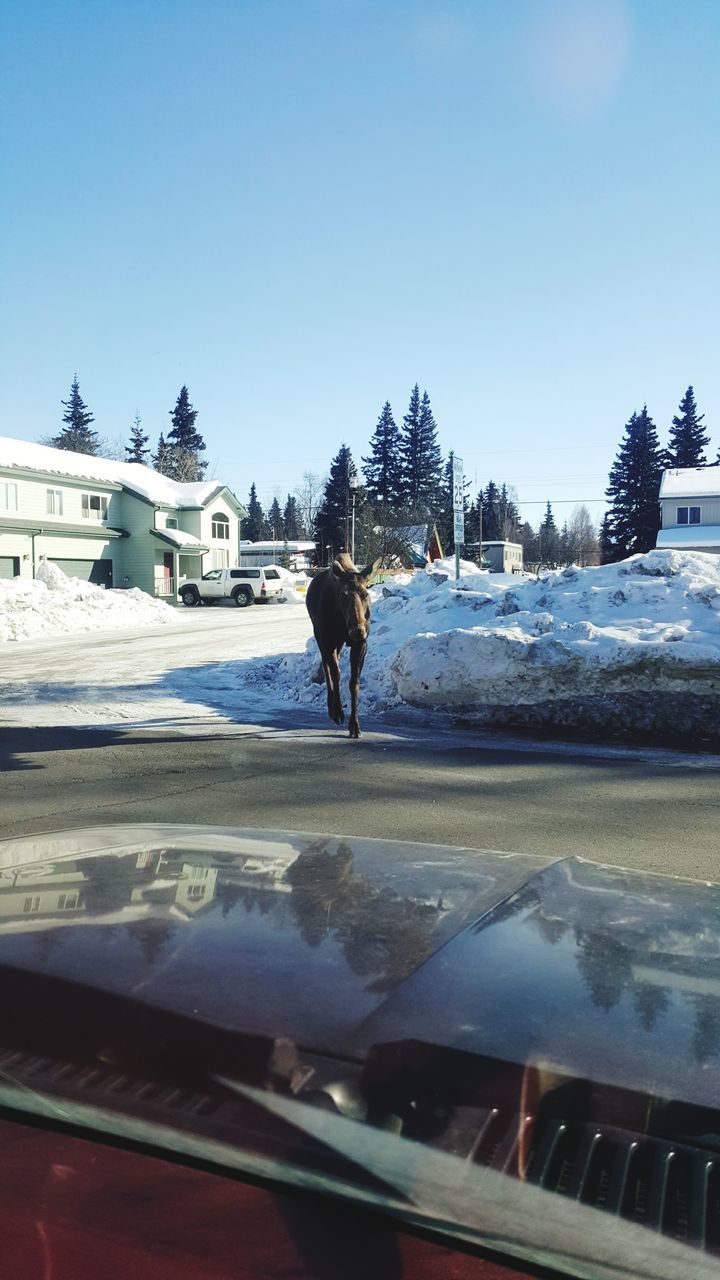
[104,890]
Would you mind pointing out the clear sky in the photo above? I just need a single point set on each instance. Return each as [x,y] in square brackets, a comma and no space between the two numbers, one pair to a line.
[301,207]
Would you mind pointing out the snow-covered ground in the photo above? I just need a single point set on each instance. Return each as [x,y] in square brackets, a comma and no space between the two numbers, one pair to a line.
[55,605]
[634,646]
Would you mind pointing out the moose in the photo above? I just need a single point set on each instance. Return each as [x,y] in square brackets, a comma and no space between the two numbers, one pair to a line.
[339,607]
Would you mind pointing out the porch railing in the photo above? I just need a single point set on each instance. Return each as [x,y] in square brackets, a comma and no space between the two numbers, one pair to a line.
[164,586]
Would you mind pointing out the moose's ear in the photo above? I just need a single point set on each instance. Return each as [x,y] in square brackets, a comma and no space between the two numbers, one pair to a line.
[338,570]
[367,573]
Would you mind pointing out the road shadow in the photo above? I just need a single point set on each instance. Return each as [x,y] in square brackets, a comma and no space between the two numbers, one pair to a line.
[253,697]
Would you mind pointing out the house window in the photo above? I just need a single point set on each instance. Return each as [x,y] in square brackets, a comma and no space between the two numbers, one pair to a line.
[220,526]
[32,904]
[171,523]
[94,506]
[54,502]
[8,495]
[195,892]
[69,901]
[688,515]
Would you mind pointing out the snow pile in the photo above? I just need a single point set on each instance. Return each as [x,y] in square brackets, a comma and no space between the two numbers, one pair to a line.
[294,585]
[54,605]
[631,646]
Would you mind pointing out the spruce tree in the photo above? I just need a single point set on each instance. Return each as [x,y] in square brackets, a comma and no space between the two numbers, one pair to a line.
[254,526]
[383,469]
[332,517]
[688,438]
[549,540]
[508,516]
[186,444]
[137,450]
[607,546]
[421,458]
[291,519]
[162,456]
[275,521]
[410,452]
[490,504]
[76,434]
[430,456]
[634,488]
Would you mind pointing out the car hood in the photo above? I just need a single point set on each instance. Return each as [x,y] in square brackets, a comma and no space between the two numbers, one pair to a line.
[340,944]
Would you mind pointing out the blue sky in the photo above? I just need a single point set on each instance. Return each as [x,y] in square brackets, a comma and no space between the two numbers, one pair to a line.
[301,207]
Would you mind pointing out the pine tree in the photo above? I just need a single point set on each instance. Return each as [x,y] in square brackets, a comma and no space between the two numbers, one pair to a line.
[421,458]
[137,450]
[431,457]
[76,434]
[688,438]
[634,488]
[549,540]
[253,527]
[162,456]
[275,521]
[184,442]
[383,469]
[490,504]
[508,516]
[291,519]
[332,517]
[607,545]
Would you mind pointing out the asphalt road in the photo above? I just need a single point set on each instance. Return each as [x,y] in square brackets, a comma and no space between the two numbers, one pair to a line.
[639,809]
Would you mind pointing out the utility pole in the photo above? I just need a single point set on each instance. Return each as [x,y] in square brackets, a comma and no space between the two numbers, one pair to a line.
[354,483]
[458,510]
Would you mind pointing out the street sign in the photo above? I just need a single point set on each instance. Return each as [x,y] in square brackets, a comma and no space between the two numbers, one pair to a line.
[458,527]
[458,485]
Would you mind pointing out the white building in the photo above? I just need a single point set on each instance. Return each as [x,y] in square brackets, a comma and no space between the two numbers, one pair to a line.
[271,552]
[690,509]
[117,524]
[503,557]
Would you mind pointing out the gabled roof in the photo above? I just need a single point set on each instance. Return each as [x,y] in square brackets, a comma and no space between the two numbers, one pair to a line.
[25,455]
[691,482]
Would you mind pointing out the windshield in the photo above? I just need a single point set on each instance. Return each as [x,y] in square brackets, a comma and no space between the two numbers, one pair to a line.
[360,626]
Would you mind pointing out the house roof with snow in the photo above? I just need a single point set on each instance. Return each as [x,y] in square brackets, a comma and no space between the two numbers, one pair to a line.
[691,482]
[144,482]
[693,536]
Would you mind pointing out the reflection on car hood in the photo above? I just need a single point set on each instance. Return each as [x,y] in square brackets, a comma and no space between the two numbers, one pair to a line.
[341,943]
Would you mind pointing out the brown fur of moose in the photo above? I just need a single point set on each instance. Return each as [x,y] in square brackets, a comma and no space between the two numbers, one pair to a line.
[339,607]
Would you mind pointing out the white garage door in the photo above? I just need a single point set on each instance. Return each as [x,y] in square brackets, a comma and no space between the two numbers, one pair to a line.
[9,566]
[97,571]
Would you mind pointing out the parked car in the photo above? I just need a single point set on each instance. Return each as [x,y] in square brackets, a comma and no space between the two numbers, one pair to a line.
[244,586]
[256,1053]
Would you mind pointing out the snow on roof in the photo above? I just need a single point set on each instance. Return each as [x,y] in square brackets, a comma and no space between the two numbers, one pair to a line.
[694,535]
[500,542]
[83,466]
[180,539]
[691,482]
